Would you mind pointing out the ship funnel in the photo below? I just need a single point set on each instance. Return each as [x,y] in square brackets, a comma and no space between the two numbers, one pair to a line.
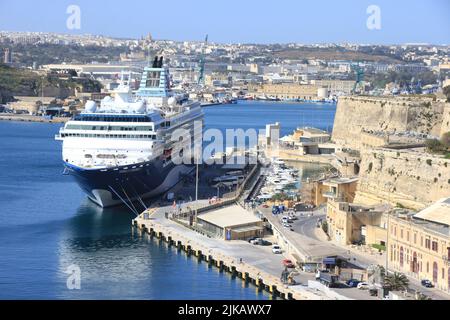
[160,64]
[155,62]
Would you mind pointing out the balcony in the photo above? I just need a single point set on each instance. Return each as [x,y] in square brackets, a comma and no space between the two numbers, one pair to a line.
[330,195]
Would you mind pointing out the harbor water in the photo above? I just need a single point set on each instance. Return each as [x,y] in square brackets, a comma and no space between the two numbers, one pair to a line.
[48,228]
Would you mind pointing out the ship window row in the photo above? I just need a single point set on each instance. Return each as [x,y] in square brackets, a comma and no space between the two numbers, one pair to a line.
[108,128]
[117,136]
[112,118]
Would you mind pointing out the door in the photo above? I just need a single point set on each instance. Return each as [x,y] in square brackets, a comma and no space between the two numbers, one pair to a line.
[435,272]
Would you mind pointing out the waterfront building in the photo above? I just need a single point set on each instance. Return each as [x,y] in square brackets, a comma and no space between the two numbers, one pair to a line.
[231,223]
[419,243]
[285,91]
[309,141]
[335,86]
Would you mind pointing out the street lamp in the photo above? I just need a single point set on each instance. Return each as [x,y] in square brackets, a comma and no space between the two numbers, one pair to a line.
[196,185]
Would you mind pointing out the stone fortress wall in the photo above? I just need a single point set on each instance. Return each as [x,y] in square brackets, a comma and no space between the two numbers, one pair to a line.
[409,177]
[390,114]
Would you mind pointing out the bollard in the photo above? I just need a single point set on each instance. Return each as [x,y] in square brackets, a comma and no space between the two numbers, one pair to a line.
[283,295]
[199,255]
[289,296]
[179,245]
[273,290]
[220,265]
[260,283]
[246,277]
[170,241]
[210,260]
[233,271]
[188,250]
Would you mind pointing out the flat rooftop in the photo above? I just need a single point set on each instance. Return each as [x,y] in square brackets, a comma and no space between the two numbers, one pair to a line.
[341,180]
[228,217]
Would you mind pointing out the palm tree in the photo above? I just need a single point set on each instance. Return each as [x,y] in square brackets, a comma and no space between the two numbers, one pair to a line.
[396,281]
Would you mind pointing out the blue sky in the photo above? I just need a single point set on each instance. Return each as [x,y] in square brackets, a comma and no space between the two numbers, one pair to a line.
[246,21]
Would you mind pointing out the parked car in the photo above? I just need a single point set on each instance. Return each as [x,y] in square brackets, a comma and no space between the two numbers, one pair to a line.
[353,283]
[363,286]
[257,241]
[288,263]
[266,243]
[276,249]
[427,283]
[286,219]
[251,239]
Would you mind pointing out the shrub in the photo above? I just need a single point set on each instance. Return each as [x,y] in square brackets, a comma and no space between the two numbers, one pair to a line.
[325,227]
[429,162]
[434,145]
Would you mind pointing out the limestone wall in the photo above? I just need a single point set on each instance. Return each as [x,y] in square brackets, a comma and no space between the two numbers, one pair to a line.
[412,178]
[446,120]
[354,114]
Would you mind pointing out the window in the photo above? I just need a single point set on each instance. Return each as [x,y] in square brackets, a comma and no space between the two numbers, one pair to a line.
[434,246]
[407,235]
[427,243]
[401,256]
[153,79]
[415,238]
[401,233]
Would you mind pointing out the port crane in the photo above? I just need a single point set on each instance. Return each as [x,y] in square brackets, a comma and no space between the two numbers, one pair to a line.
[201,78]
[359,77]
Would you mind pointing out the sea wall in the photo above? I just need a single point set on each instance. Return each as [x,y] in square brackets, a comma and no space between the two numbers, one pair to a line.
[411,178]
[399,114]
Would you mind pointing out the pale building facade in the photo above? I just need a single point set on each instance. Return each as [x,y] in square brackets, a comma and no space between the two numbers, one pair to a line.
[419,244]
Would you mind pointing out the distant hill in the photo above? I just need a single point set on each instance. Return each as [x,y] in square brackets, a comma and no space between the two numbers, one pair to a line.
[332,54]
[23,82]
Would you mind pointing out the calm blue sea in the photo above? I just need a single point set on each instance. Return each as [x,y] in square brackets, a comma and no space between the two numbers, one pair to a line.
[47,224]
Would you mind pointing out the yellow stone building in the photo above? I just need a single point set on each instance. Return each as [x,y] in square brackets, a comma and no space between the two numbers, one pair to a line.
[419,244]
[317,192]
[285,91]
[349,223]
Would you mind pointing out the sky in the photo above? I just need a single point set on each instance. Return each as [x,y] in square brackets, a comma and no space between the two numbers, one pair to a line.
[239,21]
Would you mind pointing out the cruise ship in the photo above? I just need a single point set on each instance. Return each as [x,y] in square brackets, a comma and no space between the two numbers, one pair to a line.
[122,151]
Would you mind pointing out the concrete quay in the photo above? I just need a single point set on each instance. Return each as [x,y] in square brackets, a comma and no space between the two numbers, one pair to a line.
[30,118]
[253,264]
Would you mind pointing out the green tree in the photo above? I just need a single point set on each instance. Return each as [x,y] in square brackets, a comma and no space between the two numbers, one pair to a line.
[396,281]
[325,227]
